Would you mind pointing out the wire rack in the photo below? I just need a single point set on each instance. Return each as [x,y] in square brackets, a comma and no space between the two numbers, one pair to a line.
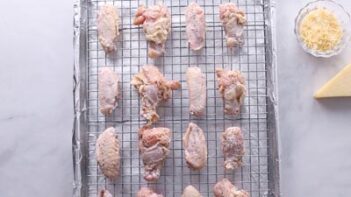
[251,60]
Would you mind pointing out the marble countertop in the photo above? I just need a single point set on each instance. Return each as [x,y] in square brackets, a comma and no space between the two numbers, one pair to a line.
[36,111]
[315,136]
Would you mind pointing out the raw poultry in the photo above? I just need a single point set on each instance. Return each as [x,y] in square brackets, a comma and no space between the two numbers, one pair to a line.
[156,23]
[191,191]
[233,20]
[232,142]
[196,82]
[154,149]
[225,188]
[107,27]
[108,153]
[104,193]
[147,192]
[153,89]
[231,85]
[195,26]
[108,90]
[195,147]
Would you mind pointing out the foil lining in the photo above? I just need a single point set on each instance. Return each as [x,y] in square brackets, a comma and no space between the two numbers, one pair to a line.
[257,60]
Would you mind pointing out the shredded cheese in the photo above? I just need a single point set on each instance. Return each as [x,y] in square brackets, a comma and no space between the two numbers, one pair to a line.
[320,30]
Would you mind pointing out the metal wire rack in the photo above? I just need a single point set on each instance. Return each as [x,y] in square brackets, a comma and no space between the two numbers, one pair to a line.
[256,174]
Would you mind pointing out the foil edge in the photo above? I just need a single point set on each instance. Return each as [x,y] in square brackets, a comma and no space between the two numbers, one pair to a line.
[272,94]
[76,148]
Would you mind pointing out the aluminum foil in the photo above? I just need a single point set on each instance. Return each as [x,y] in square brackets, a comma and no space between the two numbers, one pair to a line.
[258,120]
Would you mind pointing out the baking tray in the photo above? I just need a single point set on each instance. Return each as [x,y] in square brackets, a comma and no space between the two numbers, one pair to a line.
[256,60]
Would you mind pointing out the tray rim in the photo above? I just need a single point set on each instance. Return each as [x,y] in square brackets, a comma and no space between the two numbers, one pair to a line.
[79,134]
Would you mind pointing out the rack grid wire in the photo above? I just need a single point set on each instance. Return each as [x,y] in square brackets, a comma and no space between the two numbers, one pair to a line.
[131,55]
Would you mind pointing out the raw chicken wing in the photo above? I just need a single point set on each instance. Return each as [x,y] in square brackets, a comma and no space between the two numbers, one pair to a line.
[105,193]
[108,90]
[146,192]
[195,26]
[154,148]
[191,191]
[225,188]
[232,88]
[157,25]
[107,27]
[107,153]
[195,147]
[233,147]
[153,88]
[233,20]
[197,90]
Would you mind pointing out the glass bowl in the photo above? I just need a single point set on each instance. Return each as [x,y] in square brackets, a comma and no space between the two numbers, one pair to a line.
[339,12]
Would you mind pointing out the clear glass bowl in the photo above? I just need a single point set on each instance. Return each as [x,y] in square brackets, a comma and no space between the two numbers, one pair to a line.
[339,12]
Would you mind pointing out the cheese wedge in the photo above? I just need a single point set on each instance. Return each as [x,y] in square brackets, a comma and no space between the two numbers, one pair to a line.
[338,86]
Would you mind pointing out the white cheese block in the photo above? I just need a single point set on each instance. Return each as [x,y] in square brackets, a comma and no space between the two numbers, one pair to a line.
[338,86]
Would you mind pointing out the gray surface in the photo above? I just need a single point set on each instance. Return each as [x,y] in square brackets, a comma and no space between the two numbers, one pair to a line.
[36,106]
[36,115]
[315,135]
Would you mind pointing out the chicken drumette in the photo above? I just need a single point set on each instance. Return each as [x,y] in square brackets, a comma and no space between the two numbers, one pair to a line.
[157,25]
[195,26]
[225,188]
[233,20]
[233,147]
[154,149]
[107,27]
[232,88]
[153,88]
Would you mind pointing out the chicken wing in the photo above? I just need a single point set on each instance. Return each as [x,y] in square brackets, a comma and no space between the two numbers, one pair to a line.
[153,88]
[108,90]
[225,188]
[107,153]
[191,191]
[154,149]
[233,147]
[107,27]
[195,26]
[232,88]
[195,147]
[147,192]
[156,23]
[233,20]
[197,90]
[104,193]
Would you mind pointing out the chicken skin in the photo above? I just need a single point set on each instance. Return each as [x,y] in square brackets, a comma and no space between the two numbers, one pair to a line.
[108,153]
[156,23]
[231,87]
[153,88]
[195,26]
[105,193]
[232,142]
[108,90]
[191,191]
[196,82]
[225,188]
[107,27]
[146,192]
[195,147]
[233,20]
[154,149]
